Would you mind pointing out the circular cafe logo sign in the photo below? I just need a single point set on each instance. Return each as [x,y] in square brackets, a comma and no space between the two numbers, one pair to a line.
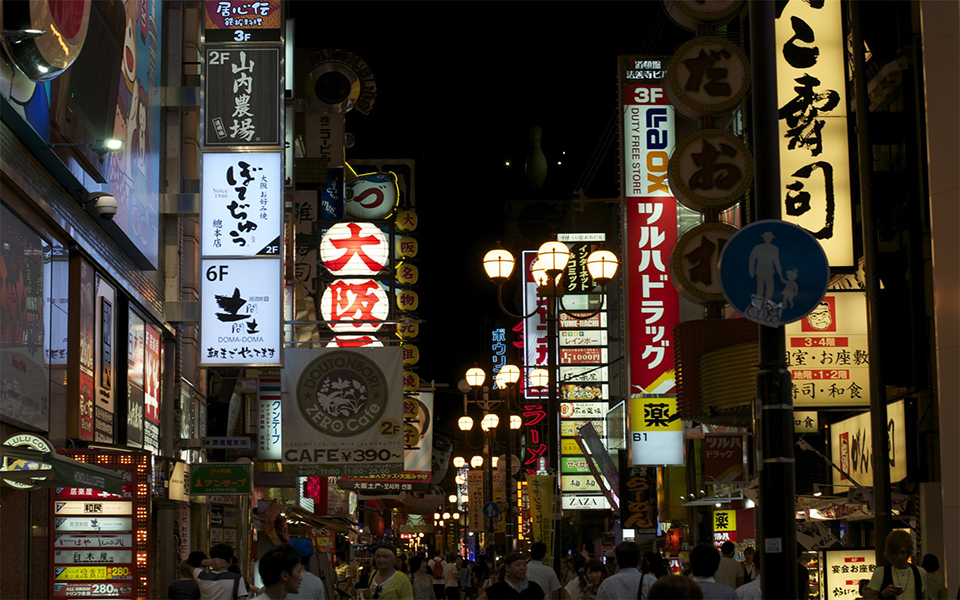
[342,393]
[26,440]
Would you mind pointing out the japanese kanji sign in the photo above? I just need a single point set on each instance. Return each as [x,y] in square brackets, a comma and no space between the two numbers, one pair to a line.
[240,312]
[656,431]
[695,261]
[851,447]
[359,249]
[241,97]
[710,169]
[647,137]
[814,154]
[221,479]
[269,432]
[242,212]
[843,569]
[724,520]
[638,499]
[827,353]
[242,20]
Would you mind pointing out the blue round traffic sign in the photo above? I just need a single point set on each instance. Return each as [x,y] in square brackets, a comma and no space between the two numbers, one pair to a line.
[773,272]
[491,510]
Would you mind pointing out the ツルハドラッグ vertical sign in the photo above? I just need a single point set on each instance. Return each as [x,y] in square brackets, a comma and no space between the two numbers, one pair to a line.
[344,416]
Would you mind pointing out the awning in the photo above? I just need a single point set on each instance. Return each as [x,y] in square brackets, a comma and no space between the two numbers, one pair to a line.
[60,471]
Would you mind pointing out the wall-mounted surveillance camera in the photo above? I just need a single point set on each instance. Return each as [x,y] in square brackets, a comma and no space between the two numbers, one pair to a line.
[105,204]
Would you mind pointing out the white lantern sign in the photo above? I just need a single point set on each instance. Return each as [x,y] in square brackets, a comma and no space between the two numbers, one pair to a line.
[360,300]
[354,249]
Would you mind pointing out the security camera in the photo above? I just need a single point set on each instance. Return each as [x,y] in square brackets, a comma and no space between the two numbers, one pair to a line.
[105,204]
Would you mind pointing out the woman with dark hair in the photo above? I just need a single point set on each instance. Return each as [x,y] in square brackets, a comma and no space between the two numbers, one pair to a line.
[594,572]
[421,579]
[933,587]
[675,587]
[652,569]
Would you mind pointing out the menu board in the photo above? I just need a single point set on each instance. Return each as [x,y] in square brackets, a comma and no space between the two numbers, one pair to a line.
[100,540]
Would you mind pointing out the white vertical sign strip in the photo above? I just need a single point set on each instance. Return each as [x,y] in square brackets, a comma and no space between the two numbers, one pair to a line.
[814,152]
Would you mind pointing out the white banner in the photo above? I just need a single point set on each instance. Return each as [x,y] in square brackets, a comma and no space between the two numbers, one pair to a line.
[344,416]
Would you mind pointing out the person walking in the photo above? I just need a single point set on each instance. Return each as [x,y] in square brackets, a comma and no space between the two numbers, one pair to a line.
[451,578]
[750,570]
[219,583]
[281,572]
[704,561]
[422,580]
[933,586]
[184,588]
[540,573]
[751,590]
[729,573]
[899,579]
[388,583]
[514,585]
[625,583]
[435,566]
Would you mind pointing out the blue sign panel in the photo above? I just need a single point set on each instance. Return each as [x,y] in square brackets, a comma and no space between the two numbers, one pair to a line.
[491,510]
[773,272]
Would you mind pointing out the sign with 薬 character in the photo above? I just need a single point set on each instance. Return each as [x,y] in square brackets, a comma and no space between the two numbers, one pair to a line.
[828,355]
[222,479]
[241,96]
[240,315]
[724,520]
[656,431]
[814,153]
[242,204]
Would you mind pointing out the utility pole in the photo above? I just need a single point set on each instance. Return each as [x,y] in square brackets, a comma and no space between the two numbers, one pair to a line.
[773,409]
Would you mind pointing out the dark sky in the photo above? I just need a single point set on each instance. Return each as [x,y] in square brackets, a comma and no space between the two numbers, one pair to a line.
[458,87]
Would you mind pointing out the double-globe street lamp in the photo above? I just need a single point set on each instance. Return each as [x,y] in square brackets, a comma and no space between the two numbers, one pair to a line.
[547,271]
[508,376]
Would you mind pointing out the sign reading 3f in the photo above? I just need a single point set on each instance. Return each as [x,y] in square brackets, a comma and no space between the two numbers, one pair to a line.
[648,129]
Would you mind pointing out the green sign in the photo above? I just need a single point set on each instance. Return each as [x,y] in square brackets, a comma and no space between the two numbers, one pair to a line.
[574,464]
[220,479]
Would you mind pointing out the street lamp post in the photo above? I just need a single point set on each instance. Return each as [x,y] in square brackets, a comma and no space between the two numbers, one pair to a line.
[507,379]
[547,270]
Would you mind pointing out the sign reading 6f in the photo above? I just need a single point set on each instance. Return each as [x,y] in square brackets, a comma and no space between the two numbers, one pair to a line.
[217,272]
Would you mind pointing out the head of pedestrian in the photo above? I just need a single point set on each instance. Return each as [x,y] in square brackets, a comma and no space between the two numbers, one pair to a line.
[670,587]
[727,549]
[704,561]
[222,551]
[385,558]
[899,548]
[628,555]
[281,570]
[538,550]
[515,565]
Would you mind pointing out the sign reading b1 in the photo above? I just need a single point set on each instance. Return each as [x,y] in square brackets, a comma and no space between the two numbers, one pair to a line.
[773,272]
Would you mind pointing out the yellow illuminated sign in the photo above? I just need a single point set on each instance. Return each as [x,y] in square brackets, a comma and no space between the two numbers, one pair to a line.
[97,573]
[724,520]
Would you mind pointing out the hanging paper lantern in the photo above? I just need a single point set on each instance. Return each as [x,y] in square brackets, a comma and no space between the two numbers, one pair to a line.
[407,220]
[411,408]
[408,300]
[408,330]
[407,274]
[411,381]
[347,300]
[407,247]
[411,354]
[372,196]
[354,249]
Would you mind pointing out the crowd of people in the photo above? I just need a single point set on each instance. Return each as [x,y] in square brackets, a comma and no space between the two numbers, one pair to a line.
[628,574]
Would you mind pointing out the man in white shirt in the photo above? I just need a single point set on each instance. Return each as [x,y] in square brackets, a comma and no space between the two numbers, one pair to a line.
[541,574]
[624,584]
[219,583]
[451,578]
[730,572]
[704,561]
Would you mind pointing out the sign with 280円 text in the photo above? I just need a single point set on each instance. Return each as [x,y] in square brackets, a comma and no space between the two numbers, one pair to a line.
[345,417]
[241,307]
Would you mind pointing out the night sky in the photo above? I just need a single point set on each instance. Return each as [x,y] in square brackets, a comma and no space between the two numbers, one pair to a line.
[458,87]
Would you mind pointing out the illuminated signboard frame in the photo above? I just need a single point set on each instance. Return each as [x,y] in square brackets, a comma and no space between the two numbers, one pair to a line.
[659,443]
[822,172]
[647,137]
[136,469]
[228,69]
